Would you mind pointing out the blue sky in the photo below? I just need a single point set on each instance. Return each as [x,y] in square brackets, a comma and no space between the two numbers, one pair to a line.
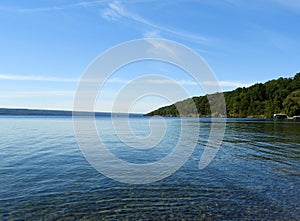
[45,46]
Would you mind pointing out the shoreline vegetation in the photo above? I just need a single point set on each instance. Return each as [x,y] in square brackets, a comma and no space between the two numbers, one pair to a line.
[261,100]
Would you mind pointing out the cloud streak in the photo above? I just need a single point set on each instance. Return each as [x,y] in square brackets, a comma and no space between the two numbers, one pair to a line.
[274,38]
[152,34]
[206,83]
[226,83]
[291,4]
[116,80]
[35,78]
[116,11]
[63,7]
[30,94]
[184,82]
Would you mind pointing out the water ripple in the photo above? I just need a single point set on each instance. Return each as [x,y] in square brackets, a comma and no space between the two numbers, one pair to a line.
[253,177]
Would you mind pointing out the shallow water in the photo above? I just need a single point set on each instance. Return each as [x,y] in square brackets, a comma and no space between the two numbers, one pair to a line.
[255,174]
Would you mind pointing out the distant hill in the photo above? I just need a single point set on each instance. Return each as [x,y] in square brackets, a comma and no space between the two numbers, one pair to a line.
[259,100]
[11,111]
[32,112]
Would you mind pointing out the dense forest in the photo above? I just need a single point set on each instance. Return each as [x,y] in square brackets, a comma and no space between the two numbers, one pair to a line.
[259,100]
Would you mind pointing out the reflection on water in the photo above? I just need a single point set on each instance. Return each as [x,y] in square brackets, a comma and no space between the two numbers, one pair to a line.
[254,175]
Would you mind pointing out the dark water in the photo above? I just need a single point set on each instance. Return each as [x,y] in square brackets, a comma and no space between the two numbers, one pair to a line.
[255,175]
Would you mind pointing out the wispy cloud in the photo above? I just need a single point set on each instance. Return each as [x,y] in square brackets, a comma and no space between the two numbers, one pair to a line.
[207,83]
[63,7]
[152,34]
[226,83]
[35,78]
[13,77]
[110,15]
[116,11]
[24,94]
[170,81]
[116,80]
[277,39]
[184,82]
[291,4]
[161,48]
[43,9]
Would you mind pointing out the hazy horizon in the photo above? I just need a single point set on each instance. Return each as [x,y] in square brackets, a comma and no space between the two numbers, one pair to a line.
[46,46]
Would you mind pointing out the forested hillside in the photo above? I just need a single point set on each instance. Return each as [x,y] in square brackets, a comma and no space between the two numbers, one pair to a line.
[259,100]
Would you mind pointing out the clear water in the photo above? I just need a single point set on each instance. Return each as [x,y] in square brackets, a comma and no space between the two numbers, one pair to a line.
[255,175]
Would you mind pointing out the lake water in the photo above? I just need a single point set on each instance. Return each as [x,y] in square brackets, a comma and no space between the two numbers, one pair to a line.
[254,176]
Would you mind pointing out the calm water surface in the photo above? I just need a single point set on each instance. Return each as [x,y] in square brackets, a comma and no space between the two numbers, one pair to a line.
[255,175]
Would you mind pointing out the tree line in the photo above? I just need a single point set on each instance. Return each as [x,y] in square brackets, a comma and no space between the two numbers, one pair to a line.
[259,100]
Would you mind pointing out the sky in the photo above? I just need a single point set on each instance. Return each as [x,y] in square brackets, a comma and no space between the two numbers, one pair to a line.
[45,46]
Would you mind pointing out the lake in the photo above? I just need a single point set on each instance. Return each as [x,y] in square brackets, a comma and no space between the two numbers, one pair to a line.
[254,176]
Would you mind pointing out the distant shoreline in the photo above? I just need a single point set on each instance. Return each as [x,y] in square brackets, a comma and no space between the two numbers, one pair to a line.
[67,113]
[41,112]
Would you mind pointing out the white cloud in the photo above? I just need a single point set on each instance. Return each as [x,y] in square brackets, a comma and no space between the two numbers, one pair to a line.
[277,39]
[170,81]
[35,78]
[110,15]
[115,10]
[42,9]
[226,83]
[152,34]
[90,3]
[24,94]
[185,82]
[162,48]
[118,80]
[207,83]
[291,4]
[63,7]
[124,81]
